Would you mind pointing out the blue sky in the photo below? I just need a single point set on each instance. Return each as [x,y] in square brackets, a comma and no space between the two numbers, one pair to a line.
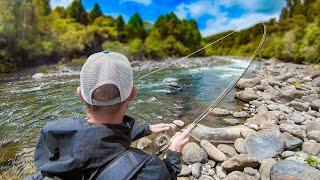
[212,16]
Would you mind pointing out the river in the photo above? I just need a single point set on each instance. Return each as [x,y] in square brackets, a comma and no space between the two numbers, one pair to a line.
[28,104]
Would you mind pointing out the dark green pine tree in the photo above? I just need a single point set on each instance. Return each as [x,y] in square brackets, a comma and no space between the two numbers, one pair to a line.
[77,12]
[95,13]
[120,24]
[135,27]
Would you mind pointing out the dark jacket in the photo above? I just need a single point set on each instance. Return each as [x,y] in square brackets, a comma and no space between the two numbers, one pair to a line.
[75,149]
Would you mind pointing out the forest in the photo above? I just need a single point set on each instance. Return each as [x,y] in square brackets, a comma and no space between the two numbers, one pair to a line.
[294,37]
[32,33]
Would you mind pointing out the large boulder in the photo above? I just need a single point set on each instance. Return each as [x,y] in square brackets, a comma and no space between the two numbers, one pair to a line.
[293,129]
[291,142]
[241,161]
[193,153]
[238,175]
[265,144]
[247,95]
[213,152]
[288,169]
[218,135]
[247,83]
[265,168]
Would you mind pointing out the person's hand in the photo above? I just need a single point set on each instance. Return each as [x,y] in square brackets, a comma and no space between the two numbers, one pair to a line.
[156,128]
[180,139]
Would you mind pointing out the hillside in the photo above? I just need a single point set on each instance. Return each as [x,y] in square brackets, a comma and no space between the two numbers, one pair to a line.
[294,37]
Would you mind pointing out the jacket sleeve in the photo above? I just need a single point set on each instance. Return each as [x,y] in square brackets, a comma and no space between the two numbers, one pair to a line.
[139,131]
[173,163]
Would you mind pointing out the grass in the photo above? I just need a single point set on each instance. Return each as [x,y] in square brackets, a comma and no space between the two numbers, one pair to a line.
[8,152]
[312,161]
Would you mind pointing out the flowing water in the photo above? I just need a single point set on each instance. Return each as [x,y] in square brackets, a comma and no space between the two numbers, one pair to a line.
[27,105]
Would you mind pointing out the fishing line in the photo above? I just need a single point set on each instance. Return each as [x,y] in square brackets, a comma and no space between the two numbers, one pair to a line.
[223,94]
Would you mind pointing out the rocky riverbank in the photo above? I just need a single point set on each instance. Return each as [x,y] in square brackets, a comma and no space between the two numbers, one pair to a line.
[143,66]
[280,138]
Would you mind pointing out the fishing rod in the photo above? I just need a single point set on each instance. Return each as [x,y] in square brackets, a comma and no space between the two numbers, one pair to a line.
[163,140]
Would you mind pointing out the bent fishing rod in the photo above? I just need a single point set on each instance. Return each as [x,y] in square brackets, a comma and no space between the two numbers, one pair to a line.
[163,140]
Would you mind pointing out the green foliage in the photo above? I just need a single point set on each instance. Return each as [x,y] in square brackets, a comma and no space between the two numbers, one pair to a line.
[135,27]
[313,162]
[77,12]
[116,46]
[31,33]
[95,13]
[295,37]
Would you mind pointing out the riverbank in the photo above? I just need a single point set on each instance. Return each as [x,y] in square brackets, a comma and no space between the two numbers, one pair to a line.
[280,138]
[279,123]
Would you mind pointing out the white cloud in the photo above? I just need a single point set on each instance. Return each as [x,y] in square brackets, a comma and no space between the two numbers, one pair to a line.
[181,11]
[144,2]
[64,3]
[196,9]
[222,23]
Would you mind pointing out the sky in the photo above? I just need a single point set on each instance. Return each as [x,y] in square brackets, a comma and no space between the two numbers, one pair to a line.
[212,16]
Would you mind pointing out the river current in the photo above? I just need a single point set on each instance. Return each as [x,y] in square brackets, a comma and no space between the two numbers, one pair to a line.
[27,105]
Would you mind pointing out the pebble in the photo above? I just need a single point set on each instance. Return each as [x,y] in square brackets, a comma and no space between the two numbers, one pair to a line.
[192,153]
[196,170]
[311,147]
[291,142]
[221,172]
[265,168]
[231,121]
[314,135]
[178,123]
[227,150]
[250,171]
[213,152]
[241,161]
[239,145]
[286,154]
[241,114]
[185,170]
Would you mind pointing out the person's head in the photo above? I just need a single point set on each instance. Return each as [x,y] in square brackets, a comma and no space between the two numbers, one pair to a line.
[106,85]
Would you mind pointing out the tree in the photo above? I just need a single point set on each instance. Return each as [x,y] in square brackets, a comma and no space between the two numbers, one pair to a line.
[120,24]
[135,28]
[95,13]
[42,6]
[77,12]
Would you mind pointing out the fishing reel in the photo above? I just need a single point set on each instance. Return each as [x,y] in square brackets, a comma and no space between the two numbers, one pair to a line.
[161,143]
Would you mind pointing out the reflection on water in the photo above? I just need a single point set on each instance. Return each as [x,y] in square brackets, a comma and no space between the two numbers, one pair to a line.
[168,95]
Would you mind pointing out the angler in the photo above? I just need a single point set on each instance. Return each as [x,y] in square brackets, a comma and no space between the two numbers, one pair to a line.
[98,147]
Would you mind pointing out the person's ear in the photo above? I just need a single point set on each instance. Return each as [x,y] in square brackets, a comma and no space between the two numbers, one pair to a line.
[79,94]
[133,93]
